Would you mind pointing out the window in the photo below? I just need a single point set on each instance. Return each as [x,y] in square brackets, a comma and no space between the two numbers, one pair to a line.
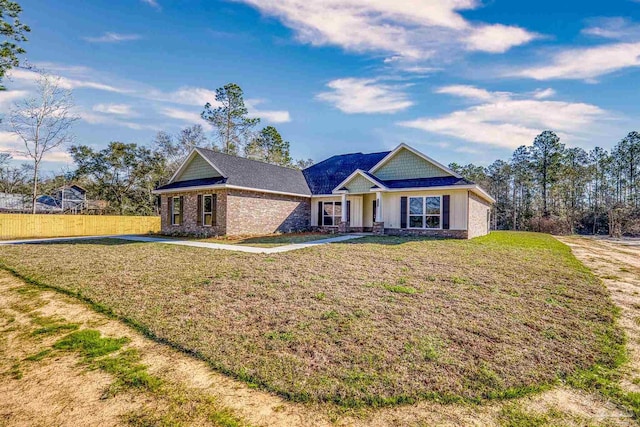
[176,211]
[331,213]
[207,210]
[425,212]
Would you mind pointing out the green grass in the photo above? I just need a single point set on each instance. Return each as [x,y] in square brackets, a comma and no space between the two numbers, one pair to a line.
[399,289]
[38,356]
[89,344]
[54,329]
[460,321]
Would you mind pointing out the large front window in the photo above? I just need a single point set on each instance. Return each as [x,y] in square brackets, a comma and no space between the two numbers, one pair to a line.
[425,212]
[331,213]
[176,210]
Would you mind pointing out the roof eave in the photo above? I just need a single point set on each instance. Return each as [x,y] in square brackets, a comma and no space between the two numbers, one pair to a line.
[226,186]
[473,187]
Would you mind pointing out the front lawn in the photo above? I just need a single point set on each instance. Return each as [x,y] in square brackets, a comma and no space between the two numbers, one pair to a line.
[376,320]
[270,241]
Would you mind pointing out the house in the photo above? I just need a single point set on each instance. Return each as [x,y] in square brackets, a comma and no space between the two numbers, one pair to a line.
[69,199]
[398,192]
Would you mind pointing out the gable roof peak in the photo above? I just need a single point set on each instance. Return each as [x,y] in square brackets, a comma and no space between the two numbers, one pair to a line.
[404,146]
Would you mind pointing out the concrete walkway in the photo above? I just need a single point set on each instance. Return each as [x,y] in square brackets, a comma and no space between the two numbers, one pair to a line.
[207,245]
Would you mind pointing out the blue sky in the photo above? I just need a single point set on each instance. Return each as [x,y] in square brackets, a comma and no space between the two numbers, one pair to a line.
[461,80]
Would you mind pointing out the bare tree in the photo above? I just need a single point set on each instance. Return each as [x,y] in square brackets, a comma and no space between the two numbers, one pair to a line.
[43,122]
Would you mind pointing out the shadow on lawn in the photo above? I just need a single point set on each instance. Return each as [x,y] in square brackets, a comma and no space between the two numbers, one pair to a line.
[97,241]
[392,240]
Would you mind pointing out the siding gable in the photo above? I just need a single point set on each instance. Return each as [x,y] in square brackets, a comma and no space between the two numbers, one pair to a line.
[407,165]
[359,184]
[198,168]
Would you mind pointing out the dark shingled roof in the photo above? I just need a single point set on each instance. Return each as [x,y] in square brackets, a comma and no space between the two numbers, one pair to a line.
[439,181]
[193,183]
[320,178]
[255,174]
[323,177]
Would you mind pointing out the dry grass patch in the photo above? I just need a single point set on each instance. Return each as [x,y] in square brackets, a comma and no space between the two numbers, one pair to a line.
[494,317]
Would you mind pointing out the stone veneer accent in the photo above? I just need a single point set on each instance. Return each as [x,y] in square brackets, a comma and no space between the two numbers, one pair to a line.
[378,228]
[189,224]
[252,212]
[478,224]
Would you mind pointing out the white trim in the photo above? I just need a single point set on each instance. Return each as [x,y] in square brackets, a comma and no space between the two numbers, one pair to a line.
[353,174]
[173,214]
[424,214]
[204,213]
[223,186]
[417,153]
[343,209]
[189,159]
[318,196]
[474,187]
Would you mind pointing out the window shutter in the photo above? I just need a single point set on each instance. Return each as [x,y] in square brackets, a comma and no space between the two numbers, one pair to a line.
[199,220]
[169,210]
[374,210]
[348,210]
[319,214]
[181,210]
[446,209]
[214,210]
[403,212]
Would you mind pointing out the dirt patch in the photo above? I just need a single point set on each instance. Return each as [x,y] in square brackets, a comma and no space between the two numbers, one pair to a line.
[617,263]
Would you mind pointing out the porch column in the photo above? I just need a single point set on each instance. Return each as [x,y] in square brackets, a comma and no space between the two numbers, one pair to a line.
[344,207]
[343,227]
[378,206]
[378,226]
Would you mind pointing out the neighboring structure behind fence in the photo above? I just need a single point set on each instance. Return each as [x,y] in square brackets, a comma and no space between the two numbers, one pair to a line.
[18,226]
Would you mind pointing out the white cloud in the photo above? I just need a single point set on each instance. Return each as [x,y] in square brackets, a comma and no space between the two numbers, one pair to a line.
[109,37]
[368,96]
[409,29]
[498,38]
[544,93]
[10,143]
[78,77]
[152,3]
[273,116]
[117,109]
[190,117]
[585,63]
[30,78]
[511,121]
[109,120]
[472,92]
[8,97]
[185,95]
[618,28]
[197,96]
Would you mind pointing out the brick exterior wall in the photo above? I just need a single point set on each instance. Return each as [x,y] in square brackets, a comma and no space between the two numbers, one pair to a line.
[478,224]
[189,224]
[250,212]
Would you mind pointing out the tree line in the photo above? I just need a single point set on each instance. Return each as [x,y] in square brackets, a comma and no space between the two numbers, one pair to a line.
[552,188]
[125,174]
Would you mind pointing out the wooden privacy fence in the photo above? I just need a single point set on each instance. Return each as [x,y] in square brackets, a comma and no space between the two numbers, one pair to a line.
[17,226]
